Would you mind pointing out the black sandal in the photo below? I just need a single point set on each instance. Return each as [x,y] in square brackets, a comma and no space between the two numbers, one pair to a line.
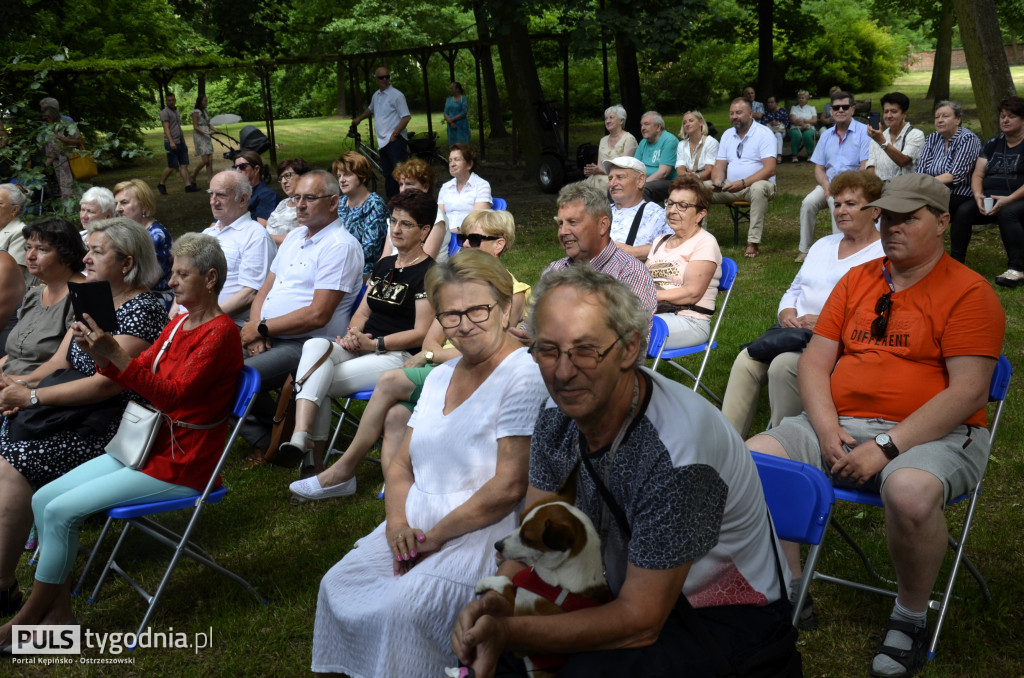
[10,600]
[911,660]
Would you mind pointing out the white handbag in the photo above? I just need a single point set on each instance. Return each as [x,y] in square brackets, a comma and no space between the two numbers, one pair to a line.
[140,424]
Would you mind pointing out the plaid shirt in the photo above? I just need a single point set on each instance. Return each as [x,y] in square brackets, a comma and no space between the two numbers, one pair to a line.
[628,269]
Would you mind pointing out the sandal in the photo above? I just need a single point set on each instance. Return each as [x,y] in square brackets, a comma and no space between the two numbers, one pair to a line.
[10,600]
[256,459]
[752,250]
[1010,278]
[911,660]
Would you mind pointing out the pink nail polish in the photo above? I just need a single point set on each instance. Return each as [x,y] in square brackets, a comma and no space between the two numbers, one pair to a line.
[421,537]
[413,554]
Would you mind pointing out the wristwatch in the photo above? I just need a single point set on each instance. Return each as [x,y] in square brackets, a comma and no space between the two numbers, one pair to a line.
[429,357]
[885,145]
[381,349]
[32,398]
[263,329]
[888,446]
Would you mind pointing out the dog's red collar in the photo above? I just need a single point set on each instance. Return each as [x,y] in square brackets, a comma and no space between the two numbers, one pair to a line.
[568,601]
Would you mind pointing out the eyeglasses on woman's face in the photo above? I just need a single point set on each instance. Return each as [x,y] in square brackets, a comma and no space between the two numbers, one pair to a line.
[476,314]
[474,239]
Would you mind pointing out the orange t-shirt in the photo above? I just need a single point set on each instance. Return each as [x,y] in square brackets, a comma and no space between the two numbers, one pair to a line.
[952,311]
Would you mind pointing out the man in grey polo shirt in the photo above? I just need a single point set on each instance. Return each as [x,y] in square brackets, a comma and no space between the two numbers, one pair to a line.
[636,222]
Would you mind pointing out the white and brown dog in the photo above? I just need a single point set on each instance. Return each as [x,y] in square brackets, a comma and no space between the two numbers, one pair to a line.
[561,547]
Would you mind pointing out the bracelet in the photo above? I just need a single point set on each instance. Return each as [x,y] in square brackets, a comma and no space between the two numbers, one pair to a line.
[744,182]
[380,346]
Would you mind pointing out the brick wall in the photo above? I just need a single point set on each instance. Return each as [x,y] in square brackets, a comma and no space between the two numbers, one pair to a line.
[923,61]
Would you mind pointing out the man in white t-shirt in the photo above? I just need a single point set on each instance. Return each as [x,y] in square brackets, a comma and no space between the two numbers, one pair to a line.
[745,168]
[306,295]
[390,110]
[636,223]
[248,248]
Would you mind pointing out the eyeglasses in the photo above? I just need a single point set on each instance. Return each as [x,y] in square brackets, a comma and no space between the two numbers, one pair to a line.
[286,176]
[404,225]
[383,77]
[841,107]
[681,206]
[476,314]
[883,307]
[474,239]
[739,150]
[242,166]
[308,198]
[583,357]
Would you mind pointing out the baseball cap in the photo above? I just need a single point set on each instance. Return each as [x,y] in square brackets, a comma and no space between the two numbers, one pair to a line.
[625,162]
[910,192]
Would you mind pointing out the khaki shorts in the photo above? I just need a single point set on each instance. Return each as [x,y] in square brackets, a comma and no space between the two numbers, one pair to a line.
[957,467]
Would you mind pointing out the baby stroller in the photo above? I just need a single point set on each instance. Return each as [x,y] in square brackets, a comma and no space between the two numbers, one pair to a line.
[249,139]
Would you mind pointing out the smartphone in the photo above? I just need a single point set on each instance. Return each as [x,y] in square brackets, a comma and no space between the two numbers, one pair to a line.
[95,299]
[874,119]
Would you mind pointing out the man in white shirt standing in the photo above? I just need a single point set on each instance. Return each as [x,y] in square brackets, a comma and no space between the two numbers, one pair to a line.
[745,168]
[842,147]
[306,295]
[636,223]
[247,246]
[896,147]
[391,112]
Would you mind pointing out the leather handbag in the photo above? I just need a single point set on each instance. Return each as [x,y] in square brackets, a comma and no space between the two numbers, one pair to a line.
[43,421]
[284,416]
[778,340]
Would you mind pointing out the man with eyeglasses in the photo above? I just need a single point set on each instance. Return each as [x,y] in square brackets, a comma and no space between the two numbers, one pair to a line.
[174,144]
[667,483]
[584,230]
[745,169]
[636,223]
[264,199]
[842,147]
[248,248]
[306,295]
[390,110]
[895,382]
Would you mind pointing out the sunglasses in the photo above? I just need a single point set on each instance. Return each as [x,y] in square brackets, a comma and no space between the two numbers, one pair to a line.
[739,150]
[474,239]
[383,77]
[242,166]
[841,107]
[883,307]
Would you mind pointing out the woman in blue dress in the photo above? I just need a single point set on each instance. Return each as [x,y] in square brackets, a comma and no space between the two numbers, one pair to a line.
[456,115]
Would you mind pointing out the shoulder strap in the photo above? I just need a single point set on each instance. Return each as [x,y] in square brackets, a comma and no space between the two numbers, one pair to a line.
[636,224]
[167,344]
[606,495]
[311,370]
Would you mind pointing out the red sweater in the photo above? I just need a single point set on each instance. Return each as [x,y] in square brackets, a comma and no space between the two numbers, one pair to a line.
[195,382]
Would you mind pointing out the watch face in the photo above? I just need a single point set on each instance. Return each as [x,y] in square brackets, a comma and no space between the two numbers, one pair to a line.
[883,439]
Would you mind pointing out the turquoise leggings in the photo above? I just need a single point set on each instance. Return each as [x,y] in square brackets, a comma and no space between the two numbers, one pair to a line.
[60,508]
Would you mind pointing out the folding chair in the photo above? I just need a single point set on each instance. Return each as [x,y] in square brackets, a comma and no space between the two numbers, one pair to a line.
[998,388]
[137,515]
[499,204]
[659,335]
[800,499]
[453,246]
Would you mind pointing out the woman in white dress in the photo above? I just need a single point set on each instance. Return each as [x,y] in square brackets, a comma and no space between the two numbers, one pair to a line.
[388,607]
[617,143]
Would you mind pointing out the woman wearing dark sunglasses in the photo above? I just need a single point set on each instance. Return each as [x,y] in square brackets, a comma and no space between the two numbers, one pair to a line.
[264,200]
[397,391]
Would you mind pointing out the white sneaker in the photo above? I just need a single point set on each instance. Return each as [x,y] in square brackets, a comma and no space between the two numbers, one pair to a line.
[310,489]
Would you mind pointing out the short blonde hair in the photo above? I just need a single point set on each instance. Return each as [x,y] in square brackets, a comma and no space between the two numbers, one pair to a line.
[470,265]
[131,239]
[700,119]
[142,192]
[492,222]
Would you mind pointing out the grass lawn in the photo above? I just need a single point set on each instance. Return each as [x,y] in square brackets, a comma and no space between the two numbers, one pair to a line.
[283,550]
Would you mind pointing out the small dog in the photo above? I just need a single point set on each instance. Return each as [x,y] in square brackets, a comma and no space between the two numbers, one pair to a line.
[566,572]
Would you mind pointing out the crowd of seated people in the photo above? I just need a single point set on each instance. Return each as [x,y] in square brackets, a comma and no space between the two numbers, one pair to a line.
[453,353]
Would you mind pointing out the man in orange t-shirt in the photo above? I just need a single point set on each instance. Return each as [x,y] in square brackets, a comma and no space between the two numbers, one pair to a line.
[894,384]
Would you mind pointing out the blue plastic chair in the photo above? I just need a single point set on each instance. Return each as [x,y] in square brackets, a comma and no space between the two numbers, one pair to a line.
[499,204]
[138,516]
[453,246]
[998,388]
[657,350]
[800,499]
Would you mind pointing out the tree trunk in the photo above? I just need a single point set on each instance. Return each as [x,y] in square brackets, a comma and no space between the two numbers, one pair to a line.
[986,59]
[938,88]
[342,85]
[521,80]
[201,86]
[765,48]
[629,81]
[495,110]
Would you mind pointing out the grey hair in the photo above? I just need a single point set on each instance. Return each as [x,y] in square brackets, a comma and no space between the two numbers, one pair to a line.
[130,239]
[624,314]
[205,253]
[49,102]
[239,184]
[802,91]
[103,197]
[16,195]
[656,117]
[618,110]
[595,201]
[700,118]
[958,110]
[329,181]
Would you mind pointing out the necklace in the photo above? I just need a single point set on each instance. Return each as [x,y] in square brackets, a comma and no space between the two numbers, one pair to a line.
[401,267]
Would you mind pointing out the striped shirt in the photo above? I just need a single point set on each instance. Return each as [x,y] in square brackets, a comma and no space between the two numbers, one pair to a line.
[628,269]
[958,159]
